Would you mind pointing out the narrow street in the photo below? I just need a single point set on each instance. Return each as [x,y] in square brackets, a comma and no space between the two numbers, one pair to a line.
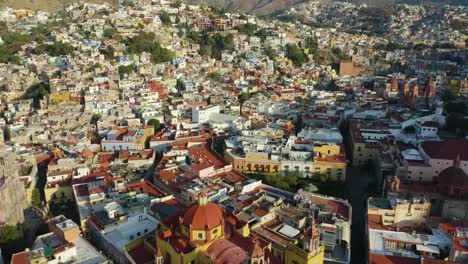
[358,182]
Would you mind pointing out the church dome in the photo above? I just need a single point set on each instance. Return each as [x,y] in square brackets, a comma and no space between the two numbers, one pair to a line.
[453,176]
[203,214]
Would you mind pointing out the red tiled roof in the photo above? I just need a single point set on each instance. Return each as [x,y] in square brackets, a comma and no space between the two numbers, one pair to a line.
[338,207]
[87,153]
[225,251]
[20,258]
[383,259]
[451,227]
[146,187]
[81,190]
[140,254]
[260,212]
[437,261]
[453,176]
[201,166]
[332,158]
[458,246]
[448,149]
[418,187]
[201,216]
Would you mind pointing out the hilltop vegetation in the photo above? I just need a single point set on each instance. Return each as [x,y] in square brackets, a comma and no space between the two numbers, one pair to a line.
[45,5]
[255,7]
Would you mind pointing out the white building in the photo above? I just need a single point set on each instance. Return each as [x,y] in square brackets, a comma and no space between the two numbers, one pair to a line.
[202,114]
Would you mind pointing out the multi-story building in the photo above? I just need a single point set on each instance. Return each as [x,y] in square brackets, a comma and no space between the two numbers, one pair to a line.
[63,244]
[404,245]
[58,188]
[397,212]
[124,138]
[202,114]
[116,226]
[254,152]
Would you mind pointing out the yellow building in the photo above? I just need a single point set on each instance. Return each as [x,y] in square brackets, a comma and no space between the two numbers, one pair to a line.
[140,141]
[253,162]
[330,159]
[58,187]
[205,234]
[56,98]
[58,193]
[309,251]
[363,149]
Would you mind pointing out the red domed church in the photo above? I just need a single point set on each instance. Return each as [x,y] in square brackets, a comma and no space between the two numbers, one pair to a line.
[204,233]
[453,181]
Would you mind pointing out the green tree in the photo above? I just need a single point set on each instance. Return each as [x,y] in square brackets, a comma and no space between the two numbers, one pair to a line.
[214,45]
[270,53]
[180,85]
[140,43]
[324,177]
[110,33]
[459,24]
[3,26]
[248,29]
[311,43]
[12,42]
[160,54]
[204,50]
[176,4]
[215,76]
[165,18]
[455,107]
[95,118]
[108,52]
[450,94]
[242,97]
[219,43]
[295,54]
[36,198]
[156,124]
[194,36]
[298,124]
[126,69]
[456,122]
[56,49]
[421,46]
[7,56]
[339,53]
[146,42]
[262,34]
[12,240]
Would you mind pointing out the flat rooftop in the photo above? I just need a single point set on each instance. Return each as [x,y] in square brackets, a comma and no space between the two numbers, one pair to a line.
[380,204]
[123,233]
[87,253]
